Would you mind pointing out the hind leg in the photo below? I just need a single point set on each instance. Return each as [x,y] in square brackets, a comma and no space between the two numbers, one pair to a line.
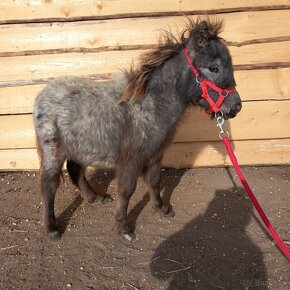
[77,175]
[52,162]
[152,177]
[127,179]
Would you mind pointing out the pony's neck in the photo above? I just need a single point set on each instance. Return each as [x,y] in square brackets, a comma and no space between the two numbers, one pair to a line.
[173,86]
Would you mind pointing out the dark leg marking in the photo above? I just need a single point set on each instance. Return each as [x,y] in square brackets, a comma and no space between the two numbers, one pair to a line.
[127,179]
[152,178]
[49,182]
[77,175]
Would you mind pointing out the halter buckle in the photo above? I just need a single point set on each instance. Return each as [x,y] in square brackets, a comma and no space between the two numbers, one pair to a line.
[224,95]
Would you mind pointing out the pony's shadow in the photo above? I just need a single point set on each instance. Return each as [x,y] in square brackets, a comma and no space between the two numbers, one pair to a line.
[100,181]
[170,179]
[213,250]
[64,218]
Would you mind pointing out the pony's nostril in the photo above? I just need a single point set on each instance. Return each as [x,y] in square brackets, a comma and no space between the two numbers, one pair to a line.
[238,108]
[234,111]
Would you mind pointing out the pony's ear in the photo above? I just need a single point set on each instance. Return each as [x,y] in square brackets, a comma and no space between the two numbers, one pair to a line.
[200,35]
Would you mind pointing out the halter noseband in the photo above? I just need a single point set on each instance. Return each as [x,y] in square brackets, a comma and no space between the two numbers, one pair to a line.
[223,93]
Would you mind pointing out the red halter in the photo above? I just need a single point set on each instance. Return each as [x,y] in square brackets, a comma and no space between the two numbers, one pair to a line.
[223,93]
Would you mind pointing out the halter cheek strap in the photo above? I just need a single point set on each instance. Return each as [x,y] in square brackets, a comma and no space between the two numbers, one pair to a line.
[204,84]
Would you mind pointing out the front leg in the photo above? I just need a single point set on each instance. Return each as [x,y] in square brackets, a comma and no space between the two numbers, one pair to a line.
[127,176]
[152,177]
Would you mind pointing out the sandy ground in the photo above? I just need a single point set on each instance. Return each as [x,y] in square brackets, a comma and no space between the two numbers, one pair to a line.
[215,241]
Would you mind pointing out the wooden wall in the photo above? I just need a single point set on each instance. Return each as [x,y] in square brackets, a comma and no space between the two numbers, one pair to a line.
[40,40]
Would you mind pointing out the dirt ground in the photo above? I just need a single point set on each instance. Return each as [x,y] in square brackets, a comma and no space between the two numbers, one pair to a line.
[215,241]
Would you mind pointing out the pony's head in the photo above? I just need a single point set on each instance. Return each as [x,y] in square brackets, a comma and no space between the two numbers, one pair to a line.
[212,68]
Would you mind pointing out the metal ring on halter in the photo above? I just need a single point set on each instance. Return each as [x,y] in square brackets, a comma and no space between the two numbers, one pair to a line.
[220,112]
[223,94]
[220,119]
[220,122]
[197,80]
[224,134]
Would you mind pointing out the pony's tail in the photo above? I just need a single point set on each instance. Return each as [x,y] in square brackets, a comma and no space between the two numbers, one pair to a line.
[39,153]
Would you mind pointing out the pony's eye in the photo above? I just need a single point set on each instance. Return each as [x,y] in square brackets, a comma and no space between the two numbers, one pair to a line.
[213,69]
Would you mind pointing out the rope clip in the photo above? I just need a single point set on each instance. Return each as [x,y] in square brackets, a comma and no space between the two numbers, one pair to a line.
[220,123]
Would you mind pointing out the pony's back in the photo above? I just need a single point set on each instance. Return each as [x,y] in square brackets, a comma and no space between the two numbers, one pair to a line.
[81,120]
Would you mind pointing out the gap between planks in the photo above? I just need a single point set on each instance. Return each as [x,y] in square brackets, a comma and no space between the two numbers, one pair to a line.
[129,47]
[144,14]
[108,76]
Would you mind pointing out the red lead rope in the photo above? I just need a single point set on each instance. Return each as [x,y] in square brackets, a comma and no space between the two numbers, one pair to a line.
[215,107]
[262,214]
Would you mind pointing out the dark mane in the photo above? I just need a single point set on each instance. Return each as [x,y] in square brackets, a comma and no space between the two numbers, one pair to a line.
[168,46]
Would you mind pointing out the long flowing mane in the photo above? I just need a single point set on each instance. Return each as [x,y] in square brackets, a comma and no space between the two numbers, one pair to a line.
[168,46]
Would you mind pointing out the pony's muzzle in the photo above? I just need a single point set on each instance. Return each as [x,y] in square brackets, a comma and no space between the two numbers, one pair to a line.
[232,105]
[234,111]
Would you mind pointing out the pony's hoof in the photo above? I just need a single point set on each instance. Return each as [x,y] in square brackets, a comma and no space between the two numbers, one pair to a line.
[91,198]
[107,199]
[128,237]
[167,212]
[103,199]
[54,236]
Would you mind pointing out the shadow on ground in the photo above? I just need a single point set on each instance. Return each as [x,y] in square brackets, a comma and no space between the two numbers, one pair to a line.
[213,251]
[169,181]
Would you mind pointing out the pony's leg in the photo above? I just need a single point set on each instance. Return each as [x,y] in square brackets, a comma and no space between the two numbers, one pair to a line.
[52,162]
[152,177]
[77,175]
[127,179]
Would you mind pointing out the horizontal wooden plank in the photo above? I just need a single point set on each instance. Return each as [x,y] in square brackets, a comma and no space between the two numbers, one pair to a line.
[251,123]
[47,66]
[254,152]
[18,100]
[39,10]
[17,131]
[113,34]
[260,53]
[252,85]
[42,67]
[19,159]
[263,84]
[181,155]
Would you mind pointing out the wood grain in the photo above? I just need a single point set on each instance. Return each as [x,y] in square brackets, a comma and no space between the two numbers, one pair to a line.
[181,155]
[270,84]
[253,152]
[49,66]
[41,40]
[62,10]
[94,36]
[18,100]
